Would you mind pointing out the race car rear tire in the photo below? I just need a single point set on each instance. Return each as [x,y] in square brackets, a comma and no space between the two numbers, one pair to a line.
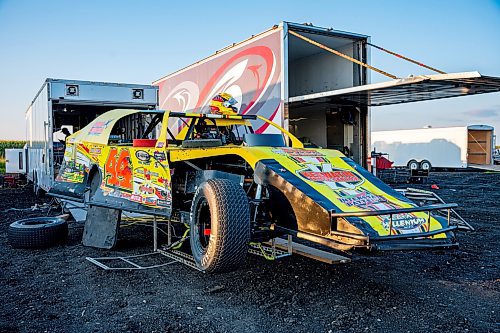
[38,232]
[220,226]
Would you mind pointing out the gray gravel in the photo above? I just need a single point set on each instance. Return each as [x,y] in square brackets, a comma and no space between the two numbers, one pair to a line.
[57,290]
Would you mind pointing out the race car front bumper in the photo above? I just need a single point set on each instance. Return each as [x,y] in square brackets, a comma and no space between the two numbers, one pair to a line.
[344,241]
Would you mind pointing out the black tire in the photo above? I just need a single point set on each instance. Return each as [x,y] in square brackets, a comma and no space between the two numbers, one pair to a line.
[412,165]
[425,165]
[223,206]
[38,232]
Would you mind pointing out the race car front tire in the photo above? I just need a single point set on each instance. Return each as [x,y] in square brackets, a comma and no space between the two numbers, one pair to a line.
[219,226]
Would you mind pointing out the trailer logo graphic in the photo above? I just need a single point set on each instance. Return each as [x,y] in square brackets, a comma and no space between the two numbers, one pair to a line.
[250,73]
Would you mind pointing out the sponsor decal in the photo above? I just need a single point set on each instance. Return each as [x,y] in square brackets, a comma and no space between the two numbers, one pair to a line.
[163,181]
[159,156]
[164,203]
[146,189]
[331,176]
[136,198]
[296,152]
[159,145]
[336,179]
[149,201]
[99,127]
[95,151]
[360,198]
[404,221]
[160,194]
[143,156]
[146,173]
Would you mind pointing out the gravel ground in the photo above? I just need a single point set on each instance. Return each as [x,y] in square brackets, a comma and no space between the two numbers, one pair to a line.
[57,290]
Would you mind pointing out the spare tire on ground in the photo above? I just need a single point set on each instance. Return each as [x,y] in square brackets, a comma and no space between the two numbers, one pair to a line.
[38,232]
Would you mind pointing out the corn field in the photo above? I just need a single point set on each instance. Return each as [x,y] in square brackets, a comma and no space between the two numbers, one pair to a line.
[7,145]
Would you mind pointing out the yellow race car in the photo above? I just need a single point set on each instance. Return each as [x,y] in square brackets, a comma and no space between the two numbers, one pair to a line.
[233,187]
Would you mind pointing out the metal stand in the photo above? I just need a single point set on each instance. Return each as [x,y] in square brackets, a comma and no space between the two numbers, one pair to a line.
[271,252]
[128,260]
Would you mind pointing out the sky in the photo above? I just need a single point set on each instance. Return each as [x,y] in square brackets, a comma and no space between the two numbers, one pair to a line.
[141,41]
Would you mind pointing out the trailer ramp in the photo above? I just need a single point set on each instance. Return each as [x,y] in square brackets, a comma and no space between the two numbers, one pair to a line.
[486,167]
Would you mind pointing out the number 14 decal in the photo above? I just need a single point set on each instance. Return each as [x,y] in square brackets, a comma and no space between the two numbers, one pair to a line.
[118,170]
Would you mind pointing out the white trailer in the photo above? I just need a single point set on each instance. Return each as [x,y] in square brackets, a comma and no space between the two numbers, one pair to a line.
[447,147]
[312,81]
[72,104]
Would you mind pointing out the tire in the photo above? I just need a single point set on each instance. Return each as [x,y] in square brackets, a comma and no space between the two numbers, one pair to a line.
[425,165]
[412,165]
[38,232]
[223,206]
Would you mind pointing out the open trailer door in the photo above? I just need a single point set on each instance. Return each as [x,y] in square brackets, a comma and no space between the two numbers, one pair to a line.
[328,91]
[343,109]
[406,90]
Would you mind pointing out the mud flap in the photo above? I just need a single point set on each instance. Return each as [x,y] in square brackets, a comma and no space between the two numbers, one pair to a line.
[101,227]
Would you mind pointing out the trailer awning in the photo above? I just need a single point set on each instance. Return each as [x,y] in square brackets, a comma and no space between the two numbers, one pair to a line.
[406,90]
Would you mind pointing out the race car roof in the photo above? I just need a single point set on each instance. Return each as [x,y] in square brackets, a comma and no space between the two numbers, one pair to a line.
[406,90]
[98,130]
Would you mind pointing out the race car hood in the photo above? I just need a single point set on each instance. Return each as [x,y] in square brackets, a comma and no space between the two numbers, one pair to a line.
[319,182]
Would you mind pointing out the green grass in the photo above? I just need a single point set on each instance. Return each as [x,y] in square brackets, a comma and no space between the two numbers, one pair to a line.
[4,144]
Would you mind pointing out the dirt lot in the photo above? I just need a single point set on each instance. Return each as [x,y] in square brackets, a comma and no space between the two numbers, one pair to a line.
[57,290]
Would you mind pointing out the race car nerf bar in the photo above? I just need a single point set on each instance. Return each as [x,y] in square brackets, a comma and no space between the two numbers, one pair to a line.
[414,235]
[312,237]
[394,211]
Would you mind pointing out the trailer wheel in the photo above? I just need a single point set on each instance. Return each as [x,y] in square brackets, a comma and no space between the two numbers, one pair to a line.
[412,165]
[220,226]
[425,165]
[38,232]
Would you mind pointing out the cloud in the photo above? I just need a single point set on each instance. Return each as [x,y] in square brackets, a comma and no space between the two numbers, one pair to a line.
[493,112]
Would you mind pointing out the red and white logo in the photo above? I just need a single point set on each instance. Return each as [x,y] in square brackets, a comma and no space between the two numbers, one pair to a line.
[336,179]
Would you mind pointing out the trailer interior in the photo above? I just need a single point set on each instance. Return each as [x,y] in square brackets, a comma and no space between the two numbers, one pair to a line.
[329,94]
[77,116]
[326,123]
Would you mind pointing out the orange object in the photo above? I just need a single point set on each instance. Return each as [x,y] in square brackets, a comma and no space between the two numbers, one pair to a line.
[144,143]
